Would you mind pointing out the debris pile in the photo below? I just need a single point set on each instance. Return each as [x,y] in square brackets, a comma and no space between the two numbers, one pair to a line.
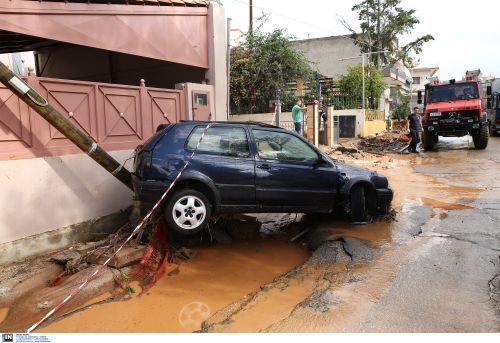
[349,152]
[388,141]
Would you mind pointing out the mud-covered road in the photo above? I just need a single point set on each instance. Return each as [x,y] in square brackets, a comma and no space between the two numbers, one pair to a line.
[435,269]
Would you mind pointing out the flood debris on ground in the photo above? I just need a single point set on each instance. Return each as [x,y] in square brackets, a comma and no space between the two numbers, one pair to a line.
[387,141]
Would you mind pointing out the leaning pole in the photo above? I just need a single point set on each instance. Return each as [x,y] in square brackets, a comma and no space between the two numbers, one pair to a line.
[50,114]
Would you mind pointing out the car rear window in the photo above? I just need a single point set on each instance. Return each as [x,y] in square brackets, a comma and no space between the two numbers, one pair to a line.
[220,140]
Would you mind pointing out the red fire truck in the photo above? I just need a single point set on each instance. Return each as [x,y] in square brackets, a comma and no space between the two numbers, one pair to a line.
[455,109]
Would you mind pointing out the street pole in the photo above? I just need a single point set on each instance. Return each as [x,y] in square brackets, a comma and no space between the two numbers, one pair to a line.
[363,78]
[250,24]
[278,108]
[50,114]
[228,71]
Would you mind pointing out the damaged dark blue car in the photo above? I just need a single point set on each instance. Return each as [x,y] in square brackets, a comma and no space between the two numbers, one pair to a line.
[246,167]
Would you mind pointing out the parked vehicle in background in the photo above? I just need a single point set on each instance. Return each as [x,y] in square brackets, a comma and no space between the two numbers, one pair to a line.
[454,109]
[494,108]
[249,168]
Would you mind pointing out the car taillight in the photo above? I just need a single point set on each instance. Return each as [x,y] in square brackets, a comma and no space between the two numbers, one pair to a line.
[142,160]
[146,159]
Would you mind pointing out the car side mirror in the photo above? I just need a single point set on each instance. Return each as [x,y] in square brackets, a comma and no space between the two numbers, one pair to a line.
[488,90]
[419,97]
[321,160]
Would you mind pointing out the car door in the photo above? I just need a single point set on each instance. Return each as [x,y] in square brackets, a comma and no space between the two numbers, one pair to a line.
[289,174]
[224,156]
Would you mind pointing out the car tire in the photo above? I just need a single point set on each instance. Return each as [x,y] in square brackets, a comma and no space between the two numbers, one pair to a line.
[358,204]
[481,139]
[187,212]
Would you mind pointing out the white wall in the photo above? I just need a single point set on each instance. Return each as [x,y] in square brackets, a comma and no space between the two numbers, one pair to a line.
[360,118]
[217,56]
[261,117]
[43,194]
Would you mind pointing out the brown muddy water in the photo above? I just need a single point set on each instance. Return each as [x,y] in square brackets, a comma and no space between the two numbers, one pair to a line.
[216,276]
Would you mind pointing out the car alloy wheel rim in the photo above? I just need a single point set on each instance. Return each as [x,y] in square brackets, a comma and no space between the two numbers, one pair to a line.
[189,212]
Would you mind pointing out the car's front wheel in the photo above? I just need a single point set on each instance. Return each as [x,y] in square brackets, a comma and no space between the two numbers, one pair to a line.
[188,211]
[358,204]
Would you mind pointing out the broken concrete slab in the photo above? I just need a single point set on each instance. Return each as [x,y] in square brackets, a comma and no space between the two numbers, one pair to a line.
[328,254]
[359,250]
[34,305]
[21,278]
[127,256]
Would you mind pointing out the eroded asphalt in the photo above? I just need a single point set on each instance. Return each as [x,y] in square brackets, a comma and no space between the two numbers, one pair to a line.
[434,269]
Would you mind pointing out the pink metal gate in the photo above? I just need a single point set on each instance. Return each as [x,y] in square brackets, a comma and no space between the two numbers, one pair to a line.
[118,117]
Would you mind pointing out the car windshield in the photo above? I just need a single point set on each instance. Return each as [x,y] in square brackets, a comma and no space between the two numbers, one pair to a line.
[452,92]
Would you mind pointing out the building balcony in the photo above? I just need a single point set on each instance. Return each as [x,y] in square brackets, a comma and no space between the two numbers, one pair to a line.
[397,77]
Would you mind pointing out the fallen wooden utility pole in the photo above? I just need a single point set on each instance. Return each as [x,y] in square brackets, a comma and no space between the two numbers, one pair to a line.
[50,114]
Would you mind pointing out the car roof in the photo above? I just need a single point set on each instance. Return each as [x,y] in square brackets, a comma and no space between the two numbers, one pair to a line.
[250,123]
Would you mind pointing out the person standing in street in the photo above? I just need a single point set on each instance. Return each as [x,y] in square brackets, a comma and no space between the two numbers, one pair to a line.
[415,127]
[297,116]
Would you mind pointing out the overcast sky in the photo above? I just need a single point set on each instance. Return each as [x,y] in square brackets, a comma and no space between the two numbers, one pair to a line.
[467,33]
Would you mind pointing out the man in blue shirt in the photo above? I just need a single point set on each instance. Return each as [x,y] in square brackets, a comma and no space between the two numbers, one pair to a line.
[297,116]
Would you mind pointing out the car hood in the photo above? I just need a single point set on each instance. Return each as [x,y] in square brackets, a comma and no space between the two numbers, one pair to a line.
[352,173]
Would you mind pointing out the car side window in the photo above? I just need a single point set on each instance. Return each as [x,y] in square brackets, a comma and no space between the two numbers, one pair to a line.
[282,147]
[220,140]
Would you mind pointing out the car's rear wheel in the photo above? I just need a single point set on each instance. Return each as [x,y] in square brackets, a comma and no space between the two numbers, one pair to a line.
[188,211]
[358,204]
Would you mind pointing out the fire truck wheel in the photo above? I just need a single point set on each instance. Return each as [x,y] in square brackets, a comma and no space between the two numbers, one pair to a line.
[428,140]
[481,139]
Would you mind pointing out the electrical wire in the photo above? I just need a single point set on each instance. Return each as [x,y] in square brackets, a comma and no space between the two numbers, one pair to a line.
[325,30]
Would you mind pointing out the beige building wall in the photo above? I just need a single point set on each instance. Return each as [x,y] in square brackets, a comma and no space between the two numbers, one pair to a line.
[373,127]
[43,194]
[325,53]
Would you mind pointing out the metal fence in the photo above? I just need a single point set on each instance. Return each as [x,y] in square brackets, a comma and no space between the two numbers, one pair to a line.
[372,115]
[346,102]
[289,124]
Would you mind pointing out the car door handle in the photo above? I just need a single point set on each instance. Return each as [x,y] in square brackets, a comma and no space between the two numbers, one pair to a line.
[264,167]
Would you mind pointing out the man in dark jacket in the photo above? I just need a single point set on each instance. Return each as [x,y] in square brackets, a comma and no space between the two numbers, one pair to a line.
[415,126]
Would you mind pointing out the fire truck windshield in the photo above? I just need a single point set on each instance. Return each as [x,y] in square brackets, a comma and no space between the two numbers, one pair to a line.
[452,92]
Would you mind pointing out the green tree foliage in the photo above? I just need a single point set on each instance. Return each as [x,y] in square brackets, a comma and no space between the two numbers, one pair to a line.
[261,68]
[351,83]
[402,108]
[383,22]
